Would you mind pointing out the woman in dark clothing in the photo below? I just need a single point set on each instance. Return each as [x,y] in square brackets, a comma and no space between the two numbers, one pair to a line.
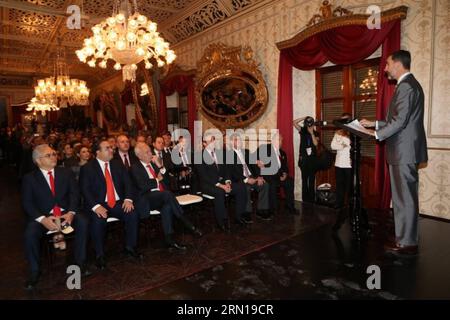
[307,161]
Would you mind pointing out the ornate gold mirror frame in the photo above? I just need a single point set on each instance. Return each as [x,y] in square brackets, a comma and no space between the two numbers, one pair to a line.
[230,88]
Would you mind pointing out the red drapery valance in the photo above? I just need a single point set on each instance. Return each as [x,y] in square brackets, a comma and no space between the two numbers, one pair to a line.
[182,84]
[341,45]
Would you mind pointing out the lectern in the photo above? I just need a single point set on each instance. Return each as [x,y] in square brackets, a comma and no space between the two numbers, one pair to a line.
[356,206]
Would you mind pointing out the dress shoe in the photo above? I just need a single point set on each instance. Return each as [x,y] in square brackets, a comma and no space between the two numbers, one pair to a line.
[395,247]
[176,246]
[32,280]
[132,253]
[196,232]
[85,272]
[240,222]
[224,227]
[100,262]
[247,217]
[264,215]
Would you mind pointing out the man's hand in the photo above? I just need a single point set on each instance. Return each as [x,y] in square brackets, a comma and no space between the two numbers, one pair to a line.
[49,223]
[283,176]
[101,212]
[366,123]
[251,181]
[127,206]
[225,187]
[157,160]
[160,176]
[260,181]
[260,164]
[68,217]
[371,132]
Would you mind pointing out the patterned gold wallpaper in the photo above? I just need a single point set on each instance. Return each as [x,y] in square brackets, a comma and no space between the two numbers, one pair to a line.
[425,33]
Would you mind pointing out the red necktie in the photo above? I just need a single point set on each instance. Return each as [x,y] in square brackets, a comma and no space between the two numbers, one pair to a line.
[56,209]
[126,162]
[153,173]
[110,196]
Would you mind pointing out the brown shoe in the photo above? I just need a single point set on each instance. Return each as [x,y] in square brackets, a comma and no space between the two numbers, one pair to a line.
[398,248]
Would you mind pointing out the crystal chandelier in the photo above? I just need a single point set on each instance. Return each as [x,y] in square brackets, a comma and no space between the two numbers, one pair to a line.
[60,90]
[127,38]
[370,82]
[36,106]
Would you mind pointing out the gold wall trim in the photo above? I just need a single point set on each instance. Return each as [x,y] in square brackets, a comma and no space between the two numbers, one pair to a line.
[331,23]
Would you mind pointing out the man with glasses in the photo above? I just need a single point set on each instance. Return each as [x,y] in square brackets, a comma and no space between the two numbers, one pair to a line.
[49,194]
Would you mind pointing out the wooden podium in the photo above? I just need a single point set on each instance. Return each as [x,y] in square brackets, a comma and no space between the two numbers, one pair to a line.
[356,206]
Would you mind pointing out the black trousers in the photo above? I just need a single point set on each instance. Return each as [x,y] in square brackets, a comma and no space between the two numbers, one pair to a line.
[34,232]
[343,185]
[288,187]
[238,190]
[166,203]
[98,227]
[308,183]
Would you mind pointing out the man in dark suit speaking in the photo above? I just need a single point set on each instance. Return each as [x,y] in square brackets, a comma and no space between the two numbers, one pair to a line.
[406,147]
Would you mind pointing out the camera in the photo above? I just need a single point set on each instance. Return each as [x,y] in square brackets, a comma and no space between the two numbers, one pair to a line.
[309,122]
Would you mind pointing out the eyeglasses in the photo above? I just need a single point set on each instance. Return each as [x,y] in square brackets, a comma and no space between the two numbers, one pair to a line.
[49,155]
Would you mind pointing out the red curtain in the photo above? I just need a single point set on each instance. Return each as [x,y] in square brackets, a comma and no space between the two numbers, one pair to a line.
[182,84]
[342,45]
[384,95]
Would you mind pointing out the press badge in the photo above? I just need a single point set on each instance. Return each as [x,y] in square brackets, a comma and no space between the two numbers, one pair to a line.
[308,151]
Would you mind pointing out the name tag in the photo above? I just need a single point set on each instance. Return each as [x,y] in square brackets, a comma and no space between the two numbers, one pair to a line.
[308,151]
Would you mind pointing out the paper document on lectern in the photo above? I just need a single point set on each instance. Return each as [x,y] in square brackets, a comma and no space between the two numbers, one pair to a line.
[355,125]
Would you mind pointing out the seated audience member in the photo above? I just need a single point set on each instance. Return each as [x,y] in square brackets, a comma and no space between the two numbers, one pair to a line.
[166,158]
[187,182]
[153,196]
[274,167]
[84,155]
[242,172]
[68,156]
[107,192]
[113,143]
[50,199]
[123,154]
[215,181]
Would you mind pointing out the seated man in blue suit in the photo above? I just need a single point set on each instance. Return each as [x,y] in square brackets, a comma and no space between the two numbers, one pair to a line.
[50,193]
[107,192]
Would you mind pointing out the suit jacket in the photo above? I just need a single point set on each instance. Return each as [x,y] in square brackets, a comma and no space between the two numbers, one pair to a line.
[93,183]
[37,197]
[209,174]
[131,158]
[266,154]
[403,129]
[143,185]
[236,168]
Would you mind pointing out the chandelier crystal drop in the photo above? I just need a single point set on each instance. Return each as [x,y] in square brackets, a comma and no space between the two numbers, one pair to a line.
[127,38]
[39,106]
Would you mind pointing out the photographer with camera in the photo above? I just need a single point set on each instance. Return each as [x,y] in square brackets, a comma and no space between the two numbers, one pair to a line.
[309,140]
